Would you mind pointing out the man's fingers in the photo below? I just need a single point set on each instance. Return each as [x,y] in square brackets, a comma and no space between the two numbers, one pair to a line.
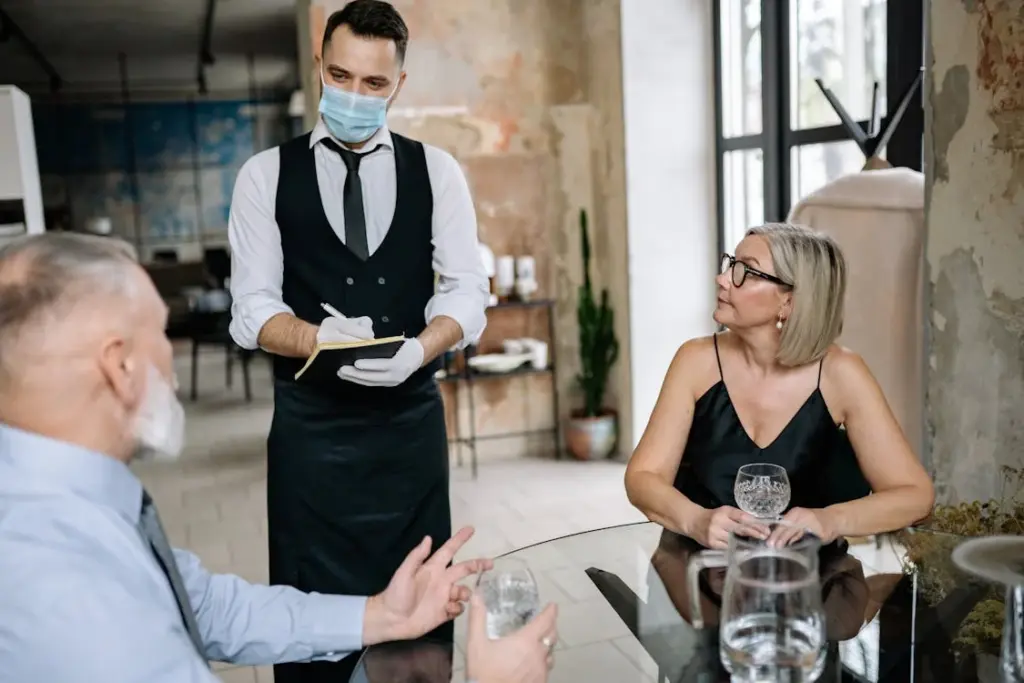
[542,625]
[459,593]
[445,553]
[373,364]
[415,558]
[477,615]
[457,572]
[351,374]
[365,322]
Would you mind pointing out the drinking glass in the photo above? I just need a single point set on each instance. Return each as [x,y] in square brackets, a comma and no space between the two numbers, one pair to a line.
[1001,559]
[772,619]
[1012,659]
[510,595]
[762,490]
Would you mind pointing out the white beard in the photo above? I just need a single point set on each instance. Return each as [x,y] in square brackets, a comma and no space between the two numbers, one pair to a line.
[159,426]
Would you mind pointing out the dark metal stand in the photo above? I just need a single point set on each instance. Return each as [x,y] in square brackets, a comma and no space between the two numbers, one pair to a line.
[470,376]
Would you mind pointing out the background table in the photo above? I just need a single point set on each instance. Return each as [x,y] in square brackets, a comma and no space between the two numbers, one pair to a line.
[624,614]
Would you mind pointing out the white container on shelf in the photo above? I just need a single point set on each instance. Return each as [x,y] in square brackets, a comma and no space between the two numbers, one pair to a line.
[19,170]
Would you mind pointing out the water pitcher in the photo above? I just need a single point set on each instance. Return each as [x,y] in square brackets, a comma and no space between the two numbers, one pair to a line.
[772,624]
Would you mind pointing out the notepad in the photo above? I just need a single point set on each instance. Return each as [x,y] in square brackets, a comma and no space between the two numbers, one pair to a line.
[328,357]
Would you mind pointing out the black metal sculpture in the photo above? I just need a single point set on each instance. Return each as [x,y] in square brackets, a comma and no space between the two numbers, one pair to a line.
[872,140]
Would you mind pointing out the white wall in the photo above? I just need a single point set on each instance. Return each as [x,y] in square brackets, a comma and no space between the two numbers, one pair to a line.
[19,166]
[668,92]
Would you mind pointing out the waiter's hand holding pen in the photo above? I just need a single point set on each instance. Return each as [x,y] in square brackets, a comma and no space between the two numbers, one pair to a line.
[337,328]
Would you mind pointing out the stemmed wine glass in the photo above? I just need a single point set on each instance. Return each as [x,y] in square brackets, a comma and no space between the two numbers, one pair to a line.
[762,490]
[510,595]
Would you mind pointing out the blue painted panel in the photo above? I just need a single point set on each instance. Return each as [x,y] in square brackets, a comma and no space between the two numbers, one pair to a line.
[225,133]
[163,136]
[88,144]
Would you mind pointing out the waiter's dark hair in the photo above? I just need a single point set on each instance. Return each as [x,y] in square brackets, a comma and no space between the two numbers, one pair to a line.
[370,19]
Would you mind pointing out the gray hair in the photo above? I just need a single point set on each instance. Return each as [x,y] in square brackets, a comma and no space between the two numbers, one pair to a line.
[816,267]
[44,276]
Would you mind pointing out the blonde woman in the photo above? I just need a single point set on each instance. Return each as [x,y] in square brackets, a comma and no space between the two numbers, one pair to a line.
[776,388]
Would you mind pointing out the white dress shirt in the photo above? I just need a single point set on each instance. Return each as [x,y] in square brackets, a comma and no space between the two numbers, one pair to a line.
[257,268]
[82,597]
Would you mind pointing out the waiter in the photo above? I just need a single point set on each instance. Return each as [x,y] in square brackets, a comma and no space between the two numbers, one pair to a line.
[360,218]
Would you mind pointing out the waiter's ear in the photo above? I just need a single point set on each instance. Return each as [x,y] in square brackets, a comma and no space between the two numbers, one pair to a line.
[398,88]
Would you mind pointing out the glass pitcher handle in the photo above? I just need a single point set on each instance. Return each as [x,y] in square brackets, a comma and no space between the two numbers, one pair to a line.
[707,559]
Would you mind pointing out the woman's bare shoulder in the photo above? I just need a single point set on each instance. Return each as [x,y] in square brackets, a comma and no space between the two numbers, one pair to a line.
[696,364]
[848,381]
[844,365]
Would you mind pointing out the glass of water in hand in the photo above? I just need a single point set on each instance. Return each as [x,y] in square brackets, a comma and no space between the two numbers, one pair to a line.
[762,490]
[510,595]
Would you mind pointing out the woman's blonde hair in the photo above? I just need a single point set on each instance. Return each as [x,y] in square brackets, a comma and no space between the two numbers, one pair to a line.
[815,267]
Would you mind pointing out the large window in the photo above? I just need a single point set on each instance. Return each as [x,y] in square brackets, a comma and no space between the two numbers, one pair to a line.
[779,139]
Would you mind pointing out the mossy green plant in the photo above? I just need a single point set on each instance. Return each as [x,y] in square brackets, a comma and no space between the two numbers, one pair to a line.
[929,554]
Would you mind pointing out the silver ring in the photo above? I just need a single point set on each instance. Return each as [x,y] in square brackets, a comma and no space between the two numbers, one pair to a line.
[547,642]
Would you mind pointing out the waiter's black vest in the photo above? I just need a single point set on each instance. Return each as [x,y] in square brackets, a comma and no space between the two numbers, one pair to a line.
[392,287]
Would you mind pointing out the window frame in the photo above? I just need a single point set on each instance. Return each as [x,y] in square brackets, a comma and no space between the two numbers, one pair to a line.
[777,139]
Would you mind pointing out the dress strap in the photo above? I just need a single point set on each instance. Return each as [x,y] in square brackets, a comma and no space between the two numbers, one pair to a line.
[821,364]
[719,358]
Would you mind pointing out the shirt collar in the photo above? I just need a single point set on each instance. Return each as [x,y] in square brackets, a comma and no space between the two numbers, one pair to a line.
[381,137]
[66,468]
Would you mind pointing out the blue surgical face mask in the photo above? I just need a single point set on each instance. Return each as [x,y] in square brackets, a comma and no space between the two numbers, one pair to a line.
[352,117]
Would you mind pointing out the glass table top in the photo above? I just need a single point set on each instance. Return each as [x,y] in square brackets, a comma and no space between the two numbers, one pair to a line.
[896,610]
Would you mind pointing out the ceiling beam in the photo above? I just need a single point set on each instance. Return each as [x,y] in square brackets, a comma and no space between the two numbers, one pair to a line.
[9,29]
[206,46]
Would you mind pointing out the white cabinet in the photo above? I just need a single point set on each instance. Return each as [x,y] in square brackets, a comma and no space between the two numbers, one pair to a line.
[21,197]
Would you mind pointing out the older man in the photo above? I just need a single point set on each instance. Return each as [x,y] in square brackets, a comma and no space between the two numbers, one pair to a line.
[89,588]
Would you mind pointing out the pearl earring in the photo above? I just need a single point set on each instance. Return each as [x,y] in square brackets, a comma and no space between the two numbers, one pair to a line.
[778,324]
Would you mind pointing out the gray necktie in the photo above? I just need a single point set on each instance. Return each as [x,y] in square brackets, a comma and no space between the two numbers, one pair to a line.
[153,532]
[352,197]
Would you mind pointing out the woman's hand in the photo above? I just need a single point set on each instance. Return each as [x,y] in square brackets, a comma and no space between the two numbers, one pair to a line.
[714,527]
[799,521]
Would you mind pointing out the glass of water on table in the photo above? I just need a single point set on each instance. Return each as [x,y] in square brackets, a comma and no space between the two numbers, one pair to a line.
[762,490]
[510,595]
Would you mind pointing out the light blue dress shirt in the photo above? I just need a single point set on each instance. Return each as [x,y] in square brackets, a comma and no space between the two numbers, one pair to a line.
[82,598]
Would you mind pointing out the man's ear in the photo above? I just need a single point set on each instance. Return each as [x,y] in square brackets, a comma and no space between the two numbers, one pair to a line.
[120,370]
[398,89]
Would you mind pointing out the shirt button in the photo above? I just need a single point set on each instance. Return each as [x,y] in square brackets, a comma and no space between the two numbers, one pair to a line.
[350,281]
[380,281]
[385,319]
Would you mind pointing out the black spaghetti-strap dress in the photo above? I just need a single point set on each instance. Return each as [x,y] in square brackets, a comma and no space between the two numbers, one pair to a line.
[816,453]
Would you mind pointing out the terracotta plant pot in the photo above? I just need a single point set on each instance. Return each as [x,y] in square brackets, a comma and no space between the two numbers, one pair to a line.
[592,438]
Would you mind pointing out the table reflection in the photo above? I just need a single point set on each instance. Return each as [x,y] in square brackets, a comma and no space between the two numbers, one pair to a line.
[894,614]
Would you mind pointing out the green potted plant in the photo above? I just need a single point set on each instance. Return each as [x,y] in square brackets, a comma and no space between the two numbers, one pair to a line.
[592,431]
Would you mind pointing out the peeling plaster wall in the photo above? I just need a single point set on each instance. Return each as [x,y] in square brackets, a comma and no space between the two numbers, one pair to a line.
[527,95]
[975,148]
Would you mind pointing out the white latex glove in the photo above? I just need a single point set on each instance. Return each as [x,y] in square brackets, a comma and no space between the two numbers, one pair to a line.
[386,372]
[344,330]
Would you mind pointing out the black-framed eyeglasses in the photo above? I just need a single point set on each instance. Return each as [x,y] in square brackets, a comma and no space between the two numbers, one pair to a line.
[740,270]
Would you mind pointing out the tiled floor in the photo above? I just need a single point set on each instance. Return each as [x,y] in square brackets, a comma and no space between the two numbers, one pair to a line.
[212,500]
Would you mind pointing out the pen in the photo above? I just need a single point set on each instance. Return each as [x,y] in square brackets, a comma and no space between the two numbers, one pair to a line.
[332,310]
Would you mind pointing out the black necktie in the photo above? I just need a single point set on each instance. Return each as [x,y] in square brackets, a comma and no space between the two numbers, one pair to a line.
[355,217]
[153,532]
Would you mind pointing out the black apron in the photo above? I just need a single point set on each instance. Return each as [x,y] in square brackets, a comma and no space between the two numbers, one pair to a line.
[356,476]
[349,495]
